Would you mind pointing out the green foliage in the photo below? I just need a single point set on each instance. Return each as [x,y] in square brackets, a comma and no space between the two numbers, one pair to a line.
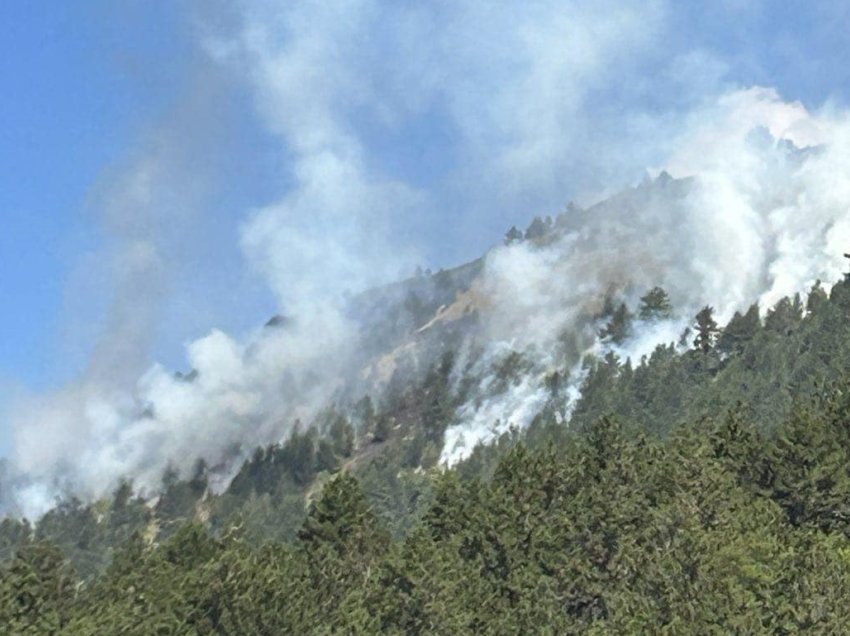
[713,529]
[706,330]
[365,415]
[342,436]
[37,589]
[694,491]
[382,430]
[655,305]
[739,332]
[326,459]
[14,534]
[619,326]
[179,498]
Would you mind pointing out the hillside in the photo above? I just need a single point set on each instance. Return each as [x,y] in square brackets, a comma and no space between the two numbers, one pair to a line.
[503,446]
[701,488]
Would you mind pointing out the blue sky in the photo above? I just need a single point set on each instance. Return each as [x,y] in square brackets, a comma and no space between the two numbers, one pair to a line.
[83,82]
[92,89]
[72,103]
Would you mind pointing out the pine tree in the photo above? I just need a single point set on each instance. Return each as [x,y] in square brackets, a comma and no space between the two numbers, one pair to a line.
[383,429]
[785,316]
[364,412]
[817,298]
[537,229]
[36,590]
[342,540]
[619,326]
[342,436]
[326,459]
[706,328]
[342,521]
[14,534]
[655,305]
[299,457]
[513,235]
[740,330]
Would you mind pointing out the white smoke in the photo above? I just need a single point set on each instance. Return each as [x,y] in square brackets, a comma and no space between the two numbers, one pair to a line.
[761,211]
[520,91]
[333,232]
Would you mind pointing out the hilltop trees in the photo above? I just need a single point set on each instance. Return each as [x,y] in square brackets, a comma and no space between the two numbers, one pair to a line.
[706,330]
[712,528]
[655,305]
[512,236]
[618,327]
[37,591]
[538,228]
[784,317]
[740,331]
[674,501]
[342,436]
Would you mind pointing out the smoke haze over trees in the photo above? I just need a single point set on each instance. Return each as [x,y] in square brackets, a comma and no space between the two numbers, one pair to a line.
[539,317]
[755,209]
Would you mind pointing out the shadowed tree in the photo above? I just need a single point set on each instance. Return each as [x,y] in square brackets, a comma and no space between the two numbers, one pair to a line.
[655,305]
[740,330]
[619,326]
[513,235]
[706,329]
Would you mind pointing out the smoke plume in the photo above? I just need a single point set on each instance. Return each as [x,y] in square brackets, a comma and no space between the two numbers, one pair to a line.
[416,133]
[759,211]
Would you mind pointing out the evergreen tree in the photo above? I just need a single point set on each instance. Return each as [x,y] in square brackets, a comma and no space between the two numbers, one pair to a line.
[437,407]
[415,308]
[619,326]
[784,317]
[383,429]
[655,305]
[706,330]
[37,590]
[364,412]
[536,230]
[14,534]
[299,457]
[739,332]
[513,235]
[342,436]
[326,459]
[816,299]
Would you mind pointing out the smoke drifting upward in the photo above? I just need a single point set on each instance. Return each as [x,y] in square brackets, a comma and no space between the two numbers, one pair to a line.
[416,132]
[760,211]
[147,209]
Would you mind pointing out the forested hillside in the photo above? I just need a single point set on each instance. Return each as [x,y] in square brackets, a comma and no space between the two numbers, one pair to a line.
[702,489]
